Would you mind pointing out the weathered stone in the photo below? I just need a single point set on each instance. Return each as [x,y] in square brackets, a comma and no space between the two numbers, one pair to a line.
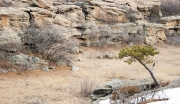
[61,20]
[105,14]
[11,17]
[111,89]
[109,56]
[29,62]
[65,61]
[73,13]
[9,36]
[2,71]
[41,3]
[74,50]
[75,68]
[101,92]
[170,21]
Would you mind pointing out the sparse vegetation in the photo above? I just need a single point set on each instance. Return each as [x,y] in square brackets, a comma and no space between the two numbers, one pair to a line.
[51,43]
[87,87]
[173,38]
[143,55]
[170,7]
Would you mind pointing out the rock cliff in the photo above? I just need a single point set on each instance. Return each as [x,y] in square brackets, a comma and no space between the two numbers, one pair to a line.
[90,22]
[93,22]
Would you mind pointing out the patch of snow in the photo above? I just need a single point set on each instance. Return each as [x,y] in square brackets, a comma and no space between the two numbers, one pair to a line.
[173,96]
[105,102]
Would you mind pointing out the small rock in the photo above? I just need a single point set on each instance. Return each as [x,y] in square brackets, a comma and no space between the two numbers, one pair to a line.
[2,71]
[100,57]
[75,68]
[74,50]
[52,68]
[45,68]
[109,56]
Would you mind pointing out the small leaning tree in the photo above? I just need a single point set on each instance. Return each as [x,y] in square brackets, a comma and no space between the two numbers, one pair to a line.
[142,54]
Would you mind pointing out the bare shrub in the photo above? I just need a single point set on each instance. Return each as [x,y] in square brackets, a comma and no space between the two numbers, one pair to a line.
[87,87]
[173,38]
[170,7]
[51,43]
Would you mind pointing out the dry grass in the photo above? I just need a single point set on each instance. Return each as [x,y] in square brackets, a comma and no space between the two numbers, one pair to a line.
[63,85]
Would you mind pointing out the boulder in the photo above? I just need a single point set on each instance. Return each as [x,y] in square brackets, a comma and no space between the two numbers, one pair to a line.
[28,62]
[76,68]
[111,89]
[65,61]
[109,56]
[74,50]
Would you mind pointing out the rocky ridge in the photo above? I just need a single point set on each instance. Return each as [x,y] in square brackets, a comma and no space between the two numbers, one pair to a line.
[92,23]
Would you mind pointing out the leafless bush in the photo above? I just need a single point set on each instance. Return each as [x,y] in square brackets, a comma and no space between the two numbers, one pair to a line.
[87,87]
[170,7]
[51,43]
[173,38]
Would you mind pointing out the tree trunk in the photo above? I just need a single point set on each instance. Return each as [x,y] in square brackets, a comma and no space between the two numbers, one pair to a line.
[151,73]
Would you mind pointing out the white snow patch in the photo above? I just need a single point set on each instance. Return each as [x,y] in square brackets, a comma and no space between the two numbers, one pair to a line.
[105,101]
[173,96]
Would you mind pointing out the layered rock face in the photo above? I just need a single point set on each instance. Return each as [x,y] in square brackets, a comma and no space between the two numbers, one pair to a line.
[92,22]
[13,18]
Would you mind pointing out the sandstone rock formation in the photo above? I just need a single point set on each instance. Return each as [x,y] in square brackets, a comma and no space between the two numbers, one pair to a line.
[29,62]
[13,18]
[91,22]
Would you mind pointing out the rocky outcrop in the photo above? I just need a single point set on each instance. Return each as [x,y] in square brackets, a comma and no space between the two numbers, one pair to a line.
[13,18]
[41,3]
[91,22]
[29,62]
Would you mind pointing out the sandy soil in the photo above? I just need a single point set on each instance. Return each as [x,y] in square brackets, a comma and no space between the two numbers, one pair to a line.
[63,86]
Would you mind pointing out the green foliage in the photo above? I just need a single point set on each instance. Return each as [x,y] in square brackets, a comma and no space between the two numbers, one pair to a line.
[139,53]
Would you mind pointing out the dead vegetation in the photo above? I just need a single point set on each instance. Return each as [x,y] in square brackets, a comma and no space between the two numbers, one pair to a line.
[170,7]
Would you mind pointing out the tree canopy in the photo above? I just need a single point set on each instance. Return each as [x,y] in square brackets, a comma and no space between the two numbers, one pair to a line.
[139,53]
[142,54]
